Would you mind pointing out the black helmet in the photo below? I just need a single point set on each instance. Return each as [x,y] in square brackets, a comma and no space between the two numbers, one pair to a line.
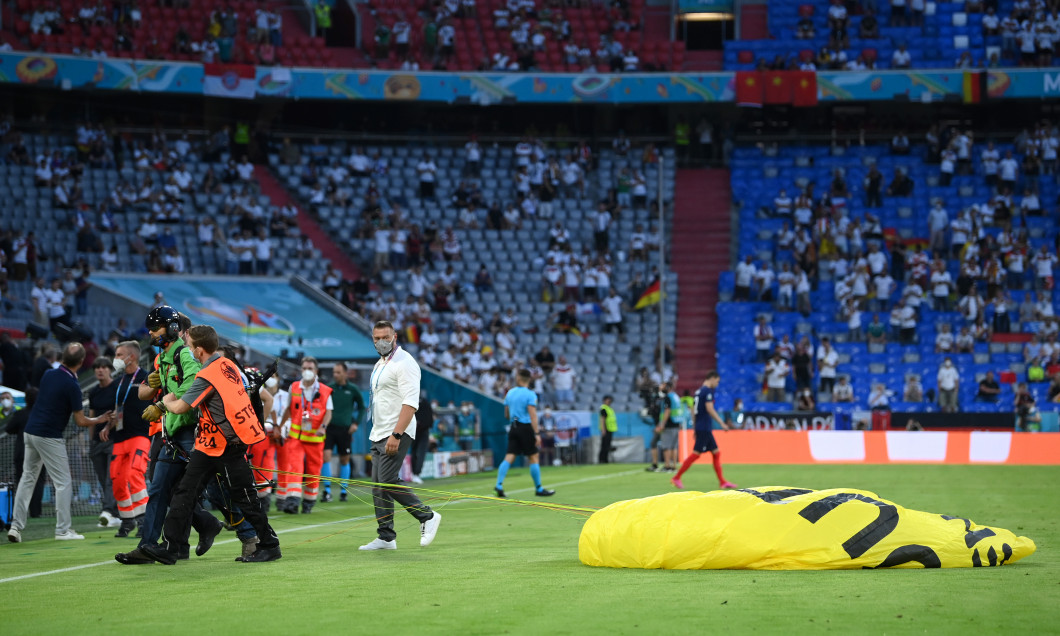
[166,317]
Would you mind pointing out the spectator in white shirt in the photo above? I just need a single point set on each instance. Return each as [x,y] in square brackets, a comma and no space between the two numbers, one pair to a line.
[764,278]
[944,339]
[827,362]
[843,391]
[941,286]
[901,58]
[1044,262]
[763,335]
[745,274]
[777,371]
[949,381]
[427,170]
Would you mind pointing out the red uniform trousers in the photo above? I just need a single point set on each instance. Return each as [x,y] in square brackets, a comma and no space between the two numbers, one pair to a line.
[128,468]
[302,458]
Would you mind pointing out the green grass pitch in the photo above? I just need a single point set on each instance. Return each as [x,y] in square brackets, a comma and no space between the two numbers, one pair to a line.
[497,568]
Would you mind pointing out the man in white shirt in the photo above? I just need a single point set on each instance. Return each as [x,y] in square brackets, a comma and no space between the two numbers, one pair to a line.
[901,58]
[843,391]
[426,169]
[745,273]
[1008,170]
[1044,262]
[782,204]
[764,278]
[941,286]
[989,159]
[563,377]
[827,362]
[777,371]
[944,339]
[394,398]
[612,306]
[949,381]
[55,303]
[763,335]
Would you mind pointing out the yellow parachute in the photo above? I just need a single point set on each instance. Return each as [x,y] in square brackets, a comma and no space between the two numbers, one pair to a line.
[782,528]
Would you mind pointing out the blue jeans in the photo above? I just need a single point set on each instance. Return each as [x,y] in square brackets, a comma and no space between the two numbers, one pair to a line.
[167,473]
[219,498]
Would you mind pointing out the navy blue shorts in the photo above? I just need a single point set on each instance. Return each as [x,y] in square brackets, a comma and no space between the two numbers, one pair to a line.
[704,442]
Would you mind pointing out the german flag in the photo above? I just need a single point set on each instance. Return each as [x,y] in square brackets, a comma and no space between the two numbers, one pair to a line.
[972,86]
[412,334]
[651,296]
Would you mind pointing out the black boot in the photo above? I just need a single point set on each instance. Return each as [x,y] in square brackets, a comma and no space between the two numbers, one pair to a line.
[290,505]
[307,506]
[126,529]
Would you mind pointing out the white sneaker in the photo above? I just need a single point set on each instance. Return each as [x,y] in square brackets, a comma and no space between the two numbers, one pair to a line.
[69,535]
[107,520]
[428,529]
[14,536]
[416,479]
[379,544]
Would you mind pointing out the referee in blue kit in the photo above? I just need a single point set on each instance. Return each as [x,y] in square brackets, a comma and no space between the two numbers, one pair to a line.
[520,408]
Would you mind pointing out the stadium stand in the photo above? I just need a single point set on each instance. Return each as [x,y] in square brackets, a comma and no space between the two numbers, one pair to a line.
[997,247]
[512,244]
[944,35]
[196,208]
[200,31]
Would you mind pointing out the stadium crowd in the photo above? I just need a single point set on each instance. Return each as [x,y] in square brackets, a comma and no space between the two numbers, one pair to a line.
[980,270]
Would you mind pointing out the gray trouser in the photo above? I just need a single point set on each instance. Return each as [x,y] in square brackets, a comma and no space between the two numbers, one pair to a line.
[100,452]
[49,452]
[385,471]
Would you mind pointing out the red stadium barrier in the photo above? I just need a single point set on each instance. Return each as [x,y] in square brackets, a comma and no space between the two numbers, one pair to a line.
[883,447]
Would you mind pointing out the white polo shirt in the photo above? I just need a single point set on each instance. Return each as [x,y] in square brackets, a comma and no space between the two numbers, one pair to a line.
[395,382]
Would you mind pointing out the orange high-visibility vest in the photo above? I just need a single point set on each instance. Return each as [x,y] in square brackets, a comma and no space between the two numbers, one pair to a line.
[225,379]
[315,405]
[156,426]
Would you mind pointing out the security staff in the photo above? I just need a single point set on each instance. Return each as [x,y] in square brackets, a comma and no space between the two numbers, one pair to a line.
[176,372]
[608,426]
[129,433]
[345,419]
[309,413]
[227,426]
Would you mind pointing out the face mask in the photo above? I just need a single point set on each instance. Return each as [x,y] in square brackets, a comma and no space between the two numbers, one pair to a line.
[384,347]
[7,403]
[465,409]
[119,365]
[308,376]
[271,383]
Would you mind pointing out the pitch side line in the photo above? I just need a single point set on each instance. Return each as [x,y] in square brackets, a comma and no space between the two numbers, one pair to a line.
[23,577]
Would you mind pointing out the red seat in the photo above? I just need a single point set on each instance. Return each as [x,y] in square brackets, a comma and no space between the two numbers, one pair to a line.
[806,55]
[745,57]
[870,55]
[806,10]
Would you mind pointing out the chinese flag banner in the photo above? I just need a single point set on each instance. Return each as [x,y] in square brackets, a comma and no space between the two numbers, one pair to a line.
[748,88]
[803,88]
[777,87]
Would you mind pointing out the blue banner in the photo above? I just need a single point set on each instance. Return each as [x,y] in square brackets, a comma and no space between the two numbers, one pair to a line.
[261,313]
[68,72]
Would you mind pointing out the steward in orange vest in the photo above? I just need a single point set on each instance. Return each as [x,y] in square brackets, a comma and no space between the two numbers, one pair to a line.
[227,426]
[309,413]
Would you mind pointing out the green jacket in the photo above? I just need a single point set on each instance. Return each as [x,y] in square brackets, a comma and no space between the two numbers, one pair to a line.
[170,374]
